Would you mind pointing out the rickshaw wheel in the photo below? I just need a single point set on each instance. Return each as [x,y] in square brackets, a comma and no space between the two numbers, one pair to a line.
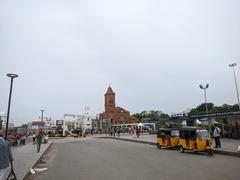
[210,152]
[159,146]
[181,149]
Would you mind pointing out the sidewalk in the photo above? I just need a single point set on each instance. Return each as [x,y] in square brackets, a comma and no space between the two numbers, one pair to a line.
[25,157]
[229,146]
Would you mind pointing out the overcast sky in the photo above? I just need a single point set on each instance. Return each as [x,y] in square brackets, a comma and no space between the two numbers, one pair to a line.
[154,54]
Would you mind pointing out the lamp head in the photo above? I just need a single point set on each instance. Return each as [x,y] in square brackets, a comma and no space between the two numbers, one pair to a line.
[11,75]
[207,85]
[201,86]
[232,65]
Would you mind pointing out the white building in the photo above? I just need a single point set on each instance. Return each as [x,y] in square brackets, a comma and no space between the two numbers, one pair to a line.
[84,121]
[3,120]
[70,121]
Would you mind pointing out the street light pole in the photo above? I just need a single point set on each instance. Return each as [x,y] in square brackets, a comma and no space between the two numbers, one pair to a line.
[234,74]
[12,76]
[205,97]
[42,115]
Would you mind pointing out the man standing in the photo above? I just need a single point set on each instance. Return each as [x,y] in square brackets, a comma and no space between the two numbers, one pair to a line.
[39,137]
[6,158]
[216,135]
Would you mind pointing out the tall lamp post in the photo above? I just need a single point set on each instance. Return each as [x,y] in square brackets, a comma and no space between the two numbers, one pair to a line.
[205,97]
[234,74]
[42,115]
[12,76]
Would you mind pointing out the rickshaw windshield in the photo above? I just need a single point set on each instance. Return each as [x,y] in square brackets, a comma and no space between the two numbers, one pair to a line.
[203,134]
[175,133]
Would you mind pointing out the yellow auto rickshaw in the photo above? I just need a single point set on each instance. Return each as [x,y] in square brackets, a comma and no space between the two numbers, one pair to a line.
[195,139]
[78,133]
[168,138]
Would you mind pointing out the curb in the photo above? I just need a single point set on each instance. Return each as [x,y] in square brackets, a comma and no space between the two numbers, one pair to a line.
[130,140]
[28,173]
[228,153]
[52,138]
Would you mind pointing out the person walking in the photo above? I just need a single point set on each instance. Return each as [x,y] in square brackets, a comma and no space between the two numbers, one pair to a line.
[216,135]
[6,157]
[34,137]
[119,132]
[114,132]
[138,132]
[39,138]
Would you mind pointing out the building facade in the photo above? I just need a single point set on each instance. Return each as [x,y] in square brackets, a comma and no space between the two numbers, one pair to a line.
[83,121]
[116,115]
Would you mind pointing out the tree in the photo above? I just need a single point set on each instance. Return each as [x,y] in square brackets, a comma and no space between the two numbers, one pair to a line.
[149,116]
[201,109]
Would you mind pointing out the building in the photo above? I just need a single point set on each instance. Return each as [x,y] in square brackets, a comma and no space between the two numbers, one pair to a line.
[86,120]
[83,121]
[115,115]
[70,122]
[3,121]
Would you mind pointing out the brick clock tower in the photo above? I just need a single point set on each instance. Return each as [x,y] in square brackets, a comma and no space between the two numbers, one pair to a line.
[118,115]
[110,104]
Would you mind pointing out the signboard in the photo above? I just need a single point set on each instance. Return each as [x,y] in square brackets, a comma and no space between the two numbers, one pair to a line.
[37,124]
[59,122]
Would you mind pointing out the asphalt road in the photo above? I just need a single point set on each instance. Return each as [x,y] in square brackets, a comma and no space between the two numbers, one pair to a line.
[107,159]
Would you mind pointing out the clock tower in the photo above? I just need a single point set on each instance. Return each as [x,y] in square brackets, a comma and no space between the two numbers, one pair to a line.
[110,101]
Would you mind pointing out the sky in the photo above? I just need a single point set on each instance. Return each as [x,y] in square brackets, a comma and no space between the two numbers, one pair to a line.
[153,53]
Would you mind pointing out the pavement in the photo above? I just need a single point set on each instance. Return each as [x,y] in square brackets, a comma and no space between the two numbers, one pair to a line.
[26,156]
[229,146]
[110,159]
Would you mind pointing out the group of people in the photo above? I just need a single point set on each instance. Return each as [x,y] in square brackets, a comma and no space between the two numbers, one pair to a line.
[113,131]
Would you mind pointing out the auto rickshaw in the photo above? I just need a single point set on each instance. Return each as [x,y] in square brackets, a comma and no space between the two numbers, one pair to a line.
[168,138]
[78,133]
[195,139]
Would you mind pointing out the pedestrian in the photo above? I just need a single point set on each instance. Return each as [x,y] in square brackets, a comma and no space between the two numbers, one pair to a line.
[111,132]
[119,132]
[138,132]
[6,163]
[39,137]
[216,135]
[22,140]
[34,137]
[114,132]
